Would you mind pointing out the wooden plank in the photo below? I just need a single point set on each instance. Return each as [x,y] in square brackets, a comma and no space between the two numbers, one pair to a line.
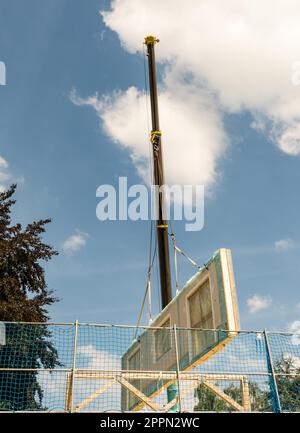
[246,394]
[156,375]
[223,396]
[96,394]
[139,394]
[68,398]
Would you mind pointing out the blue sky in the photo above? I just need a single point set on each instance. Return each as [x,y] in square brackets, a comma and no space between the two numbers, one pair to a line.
[59,154]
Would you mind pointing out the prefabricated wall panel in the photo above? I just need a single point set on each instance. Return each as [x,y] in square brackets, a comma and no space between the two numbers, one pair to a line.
[208,301]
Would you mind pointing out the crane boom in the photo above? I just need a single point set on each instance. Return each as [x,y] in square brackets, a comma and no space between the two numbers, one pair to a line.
[161,223]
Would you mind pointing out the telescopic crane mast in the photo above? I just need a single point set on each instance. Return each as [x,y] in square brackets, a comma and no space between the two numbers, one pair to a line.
[161,223]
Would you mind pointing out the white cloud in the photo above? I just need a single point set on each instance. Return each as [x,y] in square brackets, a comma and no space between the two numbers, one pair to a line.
[89,357]
[75,242]
[5,175]
[258,303]
[284,245]
[53,384]
[193,136]
[289,139]
[294,328]
[96,359]
[294,360]
[3,163]
[241,52]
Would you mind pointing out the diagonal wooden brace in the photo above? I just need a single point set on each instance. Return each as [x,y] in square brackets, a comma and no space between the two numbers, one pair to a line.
[223,396]
[94,395]
[139,394]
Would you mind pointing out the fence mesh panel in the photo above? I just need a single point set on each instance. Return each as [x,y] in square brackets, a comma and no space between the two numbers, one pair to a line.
[86,368]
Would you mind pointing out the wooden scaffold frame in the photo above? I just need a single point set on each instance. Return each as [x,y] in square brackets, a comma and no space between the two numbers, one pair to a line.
[124,378]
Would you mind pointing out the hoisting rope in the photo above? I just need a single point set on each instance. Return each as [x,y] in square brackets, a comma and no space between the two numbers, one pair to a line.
[184,254]
[147,292]
[175,261]
[188,258]
[180,251]
[148,288]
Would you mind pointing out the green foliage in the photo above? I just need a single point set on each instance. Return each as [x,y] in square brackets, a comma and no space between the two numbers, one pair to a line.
[288,383]
[208,401]
[23,290]
[24,296]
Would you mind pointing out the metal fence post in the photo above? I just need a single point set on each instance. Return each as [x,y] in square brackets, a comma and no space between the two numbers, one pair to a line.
[274,389]
[177,367]
[73,366]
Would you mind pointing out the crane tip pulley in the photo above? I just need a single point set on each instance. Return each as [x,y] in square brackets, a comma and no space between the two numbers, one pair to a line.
[151,40]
